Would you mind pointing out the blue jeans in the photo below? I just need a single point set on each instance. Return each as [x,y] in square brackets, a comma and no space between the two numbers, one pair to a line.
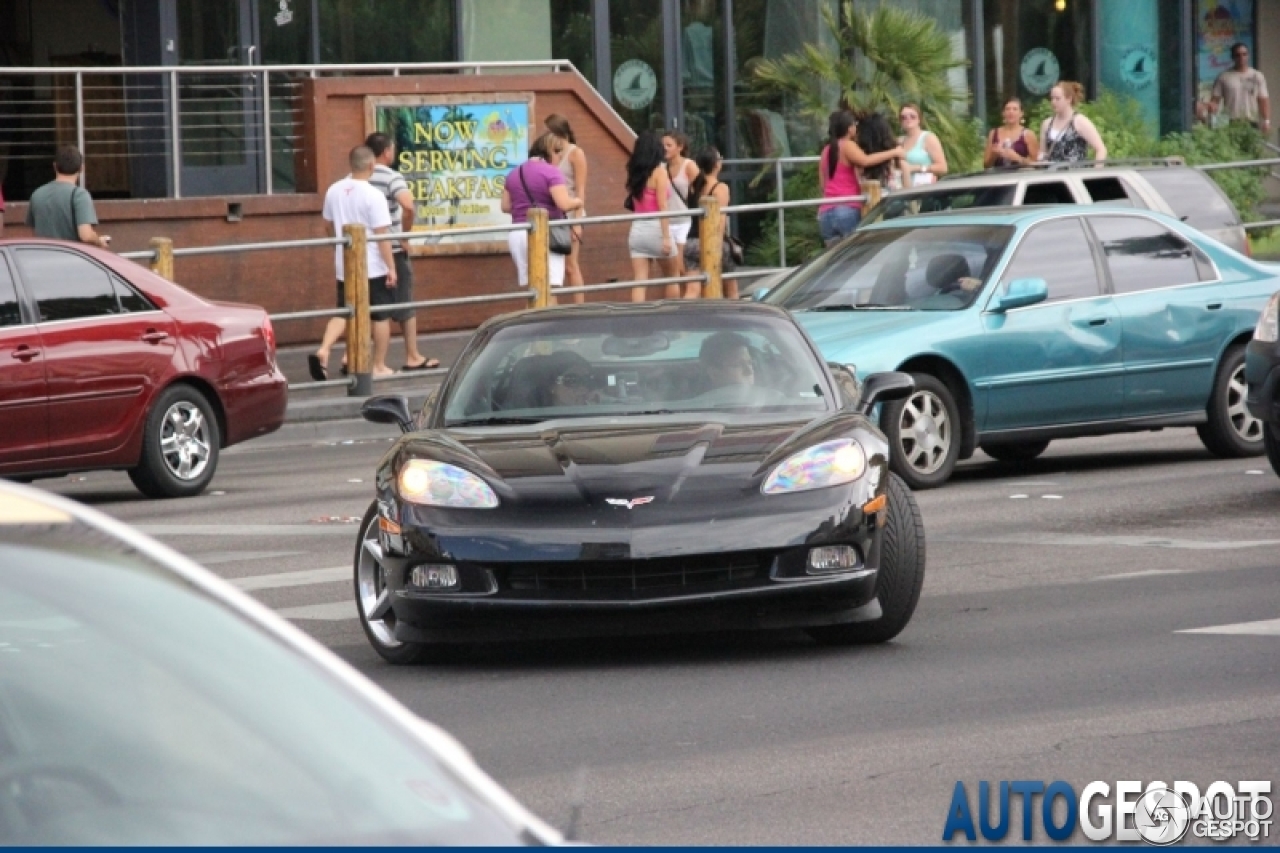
[837,223]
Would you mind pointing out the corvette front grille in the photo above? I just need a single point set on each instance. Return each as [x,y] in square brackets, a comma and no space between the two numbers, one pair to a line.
[695,573]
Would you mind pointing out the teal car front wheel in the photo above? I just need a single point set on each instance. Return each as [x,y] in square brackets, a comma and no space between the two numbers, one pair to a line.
[924,431]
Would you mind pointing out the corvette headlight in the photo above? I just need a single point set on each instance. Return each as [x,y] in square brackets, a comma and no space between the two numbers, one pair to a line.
[423,481]
[1268,330]
[832,463]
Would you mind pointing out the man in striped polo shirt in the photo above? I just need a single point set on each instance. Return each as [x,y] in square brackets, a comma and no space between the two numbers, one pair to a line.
[395,189]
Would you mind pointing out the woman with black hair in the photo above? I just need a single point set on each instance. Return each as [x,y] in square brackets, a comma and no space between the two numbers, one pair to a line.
[874,135]
[837,176]
[648,191]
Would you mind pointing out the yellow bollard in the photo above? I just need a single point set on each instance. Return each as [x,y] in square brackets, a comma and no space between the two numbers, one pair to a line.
[162,261]
[355,279]
[710,247]
[539,264]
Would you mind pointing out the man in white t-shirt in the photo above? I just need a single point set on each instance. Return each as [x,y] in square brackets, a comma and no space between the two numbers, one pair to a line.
[354,201]
[1242,91]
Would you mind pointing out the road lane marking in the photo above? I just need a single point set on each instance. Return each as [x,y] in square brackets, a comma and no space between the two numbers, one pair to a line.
[1076,541]
[213,558]
[280,580]
[1145,574]
[164,530]
[1264,628]
[339,611]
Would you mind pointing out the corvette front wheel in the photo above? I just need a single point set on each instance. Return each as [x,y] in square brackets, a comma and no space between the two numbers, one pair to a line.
[373,598]
[901,576]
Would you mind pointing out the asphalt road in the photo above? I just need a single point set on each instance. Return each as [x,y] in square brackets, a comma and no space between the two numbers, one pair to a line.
[1050,643]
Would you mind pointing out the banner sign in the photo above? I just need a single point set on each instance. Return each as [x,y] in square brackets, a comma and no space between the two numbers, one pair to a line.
[455,152]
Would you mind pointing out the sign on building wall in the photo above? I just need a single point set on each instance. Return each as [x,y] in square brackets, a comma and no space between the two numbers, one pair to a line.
[455,152]
[1220,24]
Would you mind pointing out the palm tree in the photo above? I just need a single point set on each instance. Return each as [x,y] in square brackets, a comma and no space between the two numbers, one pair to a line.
[879,60]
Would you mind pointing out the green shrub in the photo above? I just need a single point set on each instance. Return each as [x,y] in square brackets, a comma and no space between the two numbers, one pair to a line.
[1237,141]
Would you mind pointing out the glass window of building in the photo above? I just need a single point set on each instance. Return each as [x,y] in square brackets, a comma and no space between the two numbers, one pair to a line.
[502,30]
[354,31]
[573,35]
[499,30]
[1032,44]
[951,17]
[1139,55]
[636,48]
[702,83]
[769,124]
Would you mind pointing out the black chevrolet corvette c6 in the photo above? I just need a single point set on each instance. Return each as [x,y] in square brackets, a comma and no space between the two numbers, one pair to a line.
[621,469]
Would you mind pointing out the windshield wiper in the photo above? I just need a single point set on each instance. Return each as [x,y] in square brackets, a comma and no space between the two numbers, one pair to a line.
[849,306]
[496,420]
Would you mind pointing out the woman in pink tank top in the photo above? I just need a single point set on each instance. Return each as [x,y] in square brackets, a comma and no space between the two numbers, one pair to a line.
[648,189]
[838,176]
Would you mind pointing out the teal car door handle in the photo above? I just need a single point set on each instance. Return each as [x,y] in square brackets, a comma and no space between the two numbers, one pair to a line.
[1099,321]
[1214,306]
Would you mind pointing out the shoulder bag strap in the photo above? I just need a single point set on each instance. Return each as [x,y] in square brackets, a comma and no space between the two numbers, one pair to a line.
[532,203]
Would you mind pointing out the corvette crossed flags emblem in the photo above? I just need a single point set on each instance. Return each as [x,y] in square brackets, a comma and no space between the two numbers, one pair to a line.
[629,504]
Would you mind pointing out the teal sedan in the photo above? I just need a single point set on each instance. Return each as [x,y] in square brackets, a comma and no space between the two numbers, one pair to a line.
[1025,325]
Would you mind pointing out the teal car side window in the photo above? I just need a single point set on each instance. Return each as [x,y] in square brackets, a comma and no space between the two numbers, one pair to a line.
[1142,255]
[1059,252]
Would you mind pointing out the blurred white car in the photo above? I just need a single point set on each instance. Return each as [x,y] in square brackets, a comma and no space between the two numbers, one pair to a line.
[145,701]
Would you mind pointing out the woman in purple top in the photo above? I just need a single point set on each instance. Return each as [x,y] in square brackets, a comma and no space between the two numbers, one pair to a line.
[545,182]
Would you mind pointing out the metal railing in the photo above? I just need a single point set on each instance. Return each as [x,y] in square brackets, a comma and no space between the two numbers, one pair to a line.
[143,129]
[540,293]
[779,164]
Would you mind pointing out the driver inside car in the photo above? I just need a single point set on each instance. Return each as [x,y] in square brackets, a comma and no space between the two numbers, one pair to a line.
[726,360]
[569,381]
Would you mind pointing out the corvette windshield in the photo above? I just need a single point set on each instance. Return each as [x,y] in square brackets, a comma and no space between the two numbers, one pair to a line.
[925,268]
[633,364]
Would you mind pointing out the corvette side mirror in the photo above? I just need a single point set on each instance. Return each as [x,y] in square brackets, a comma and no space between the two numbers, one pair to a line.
[846,376]
[388,409]
[880,387]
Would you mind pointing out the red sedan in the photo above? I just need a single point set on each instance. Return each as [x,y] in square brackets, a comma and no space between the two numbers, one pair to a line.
[104,364]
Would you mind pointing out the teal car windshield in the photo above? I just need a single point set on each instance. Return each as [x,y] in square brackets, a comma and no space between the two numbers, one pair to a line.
[926,268]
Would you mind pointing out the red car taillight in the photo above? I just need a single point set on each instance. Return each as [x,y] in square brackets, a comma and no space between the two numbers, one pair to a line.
[269,335]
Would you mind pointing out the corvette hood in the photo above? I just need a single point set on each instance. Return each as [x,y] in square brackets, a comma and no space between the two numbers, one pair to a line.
[643,487]
[602,462]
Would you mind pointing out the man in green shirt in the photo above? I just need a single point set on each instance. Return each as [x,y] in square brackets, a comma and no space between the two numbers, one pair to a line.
[63,210]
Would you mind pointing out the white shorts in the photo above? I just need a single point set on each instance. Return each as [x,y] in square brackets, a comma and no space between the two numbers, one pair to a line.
[680,231]
[518,243]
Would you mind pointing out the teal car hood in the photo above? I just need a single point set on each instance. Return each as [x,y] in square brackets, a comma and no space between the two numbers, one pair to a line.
[876,340]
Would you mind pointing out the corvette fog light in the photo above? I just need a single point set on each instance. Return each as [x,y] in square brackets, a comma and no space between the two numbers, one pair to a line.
[833,558]
[433,577]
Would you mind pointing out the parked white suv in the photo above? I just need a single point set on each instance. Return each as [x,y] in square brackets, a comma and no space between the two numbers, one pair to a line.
[1163,184]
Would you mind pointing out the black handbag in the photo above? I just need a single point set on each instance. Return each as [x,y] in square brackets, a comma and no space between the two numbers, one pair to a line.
[559,240]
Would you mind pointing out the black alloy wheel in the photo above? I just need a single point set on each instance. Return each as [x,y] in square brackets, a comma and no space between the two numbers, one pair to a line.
[373,598]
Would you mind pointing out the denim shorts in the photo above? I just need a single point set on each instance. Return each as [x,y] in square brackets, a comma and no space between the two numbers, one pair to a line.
[837,223]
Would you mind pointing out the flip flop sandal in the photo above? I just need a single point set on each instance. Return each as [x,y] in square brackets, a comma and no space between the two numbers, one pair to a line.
[316,368]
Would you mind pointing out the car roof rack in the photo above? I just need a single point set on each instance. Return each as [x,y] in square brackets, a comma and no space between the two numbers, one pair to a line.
[1044,166]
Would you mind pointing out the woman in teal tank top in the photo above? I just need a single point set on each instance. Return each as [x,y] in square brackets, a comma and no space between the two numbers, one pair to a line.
[924,162]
